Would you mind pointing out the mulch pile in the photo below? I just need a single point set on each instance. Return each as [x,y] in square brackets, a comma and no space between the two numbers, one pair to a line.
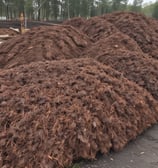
[133,65]
[124,54]
[4,31]
[141,29]
[57,105]
[138,27]
[55,112]
[112,43]
[95,27]
[43,43]
[76,22]
[98,28]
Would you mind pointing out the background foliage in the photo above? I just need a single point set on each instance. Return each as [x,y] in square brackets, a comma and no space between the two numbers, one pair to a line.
[63,9]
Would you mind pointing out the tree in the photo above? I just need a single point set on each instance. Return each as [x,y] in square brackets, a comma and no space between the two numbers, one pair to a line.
[29,9]
[2,6]
[137,5]
[148,9]
[123,5]
[115,5]
[84,8]
[155,11]
[119,5]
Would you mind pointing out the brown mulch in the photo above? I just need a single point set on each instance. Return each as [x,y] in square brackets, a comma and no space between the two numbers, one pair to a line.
[154,23]
[138,27]
[43,43]
[52,113]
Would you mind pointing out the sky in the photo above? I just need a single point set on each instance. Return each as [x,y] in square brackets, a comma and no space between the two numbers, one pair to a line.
[144,2]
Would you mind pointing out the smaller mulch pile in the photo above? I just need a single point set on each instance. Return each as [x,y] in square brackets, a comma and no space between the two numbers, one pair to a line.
[76,22]
[55,112]
[123,54]
[43,43]
[138,27]
[113,43]
[98,28]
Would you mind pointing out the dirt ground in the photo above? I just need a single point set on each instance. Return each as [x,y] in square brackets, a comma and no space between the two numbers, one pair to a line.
[142,153]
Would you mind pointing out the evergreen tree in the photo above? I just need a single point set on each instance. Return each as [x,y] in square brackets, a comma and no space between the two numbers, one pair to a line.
[155,12]
[137,5]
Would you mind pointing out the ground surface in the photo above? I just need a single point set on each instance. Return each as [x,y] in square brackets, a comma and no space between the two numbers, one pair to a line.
[141,153]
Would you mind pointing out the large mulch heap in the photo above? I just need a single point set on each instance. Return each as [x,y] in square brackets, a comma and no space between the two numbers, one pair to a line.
[43,43]
[138,27]
[55,112]
[5,31]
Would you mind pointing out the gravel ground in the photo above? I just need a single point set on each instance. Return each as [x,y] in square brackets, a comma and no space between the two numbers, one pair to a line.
[141,153]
